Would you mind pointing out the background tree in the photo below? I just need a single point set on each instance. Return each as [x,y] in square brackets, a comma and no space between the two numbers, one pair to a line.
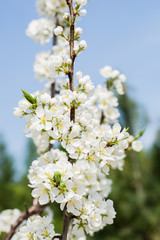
[7,174]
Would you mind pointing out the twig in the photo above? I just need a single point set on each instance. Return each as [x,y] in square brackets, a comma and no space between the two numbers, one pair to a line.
[102,117]
[70,229]
[53,90]
[66,218]
[72,55]
[57,236]
[34,209]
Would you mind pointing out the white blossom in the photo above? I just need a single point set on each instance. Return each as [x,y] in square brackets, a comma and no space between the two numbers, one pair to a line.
[40,30]
[39,228]
[81,2]
[83,44]
[137,145]
[48,8]
[58,30]
[94,141]
[7,218]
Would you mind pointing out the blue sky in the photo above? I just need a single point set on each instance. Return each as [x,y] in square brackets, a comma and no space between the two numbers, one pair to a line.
[124,34]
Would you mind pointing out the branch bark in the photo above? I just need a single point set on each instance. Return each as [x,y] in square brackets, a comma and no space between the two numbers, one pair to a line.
[66,221]
[34,209]
[72,55]
[53,89]
[102,117]
[66,217]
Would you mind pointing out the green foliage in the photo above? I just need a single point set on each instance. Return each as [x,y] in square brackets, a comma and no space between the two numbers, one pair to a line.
[29,98]
[12,194]
[31,153]
[6,164]
[156,158]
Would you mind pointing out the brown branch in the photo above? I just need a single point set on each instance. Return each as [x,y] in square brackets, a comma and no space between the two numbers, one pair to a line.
[66,221]
[34,209]
[53,89]
[66,217]
[72,54]
[70,228]
[102,117]
[57,236]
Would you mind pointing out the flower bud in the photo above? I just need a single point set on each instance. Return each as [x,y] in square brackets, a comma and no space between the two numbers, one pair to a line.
[78,30]
[137,146]
[115,74]
[24,104]
[58,30]
[68,61]
[81,2]
[18,112]
[83,44]
[66,16]
[82,12]
[79,75]
[82,98]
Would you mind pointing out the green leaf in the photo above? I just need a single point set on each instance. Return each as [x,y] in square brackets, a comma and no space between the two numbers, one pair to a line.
[139,134]
[29,98]
[127,129]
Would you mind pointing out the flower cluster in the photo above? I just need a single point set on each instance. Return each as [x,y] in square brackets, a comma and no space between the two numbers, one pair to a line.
[49,8]
[40,30]
[93,179]
[85,139]
[114,78]
[46,65]
[83,119]
[7,218]
[93,214]
[107,104]
[53,178]
[39,228]
[41,66]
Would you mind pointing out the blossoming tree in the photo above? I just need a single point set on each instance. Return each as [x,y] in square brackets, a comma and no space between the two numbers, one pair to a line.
[83,119]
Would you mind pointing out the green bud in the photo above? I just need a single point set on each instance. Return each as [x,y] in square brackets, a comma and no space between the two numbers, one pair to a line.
[139,134]
[62,185]
[57,177]
[127,129]
[29,98]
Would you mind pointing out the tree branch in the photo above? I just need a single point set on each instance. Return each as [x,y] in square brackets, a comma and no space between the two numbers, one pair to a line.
[102,117]
[34,209]
[72,54]
[66,221]
[66,217]
[57,236]
[53,91]
[53,85]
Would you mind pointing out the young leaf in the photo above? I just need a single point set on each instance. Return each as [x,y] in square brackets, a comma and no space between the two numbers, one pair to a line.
[29,98]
